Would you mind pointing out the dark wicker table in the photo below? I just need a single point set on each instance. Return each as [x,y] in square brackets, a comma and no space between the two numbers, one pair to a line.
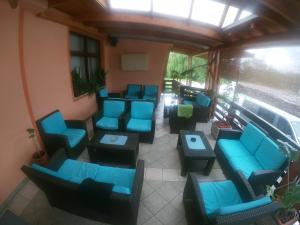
[194,154]
[120,152]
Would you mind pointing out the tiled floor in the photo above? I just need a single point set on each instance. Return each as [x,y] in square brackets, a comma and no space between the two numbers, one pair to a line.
[161,201]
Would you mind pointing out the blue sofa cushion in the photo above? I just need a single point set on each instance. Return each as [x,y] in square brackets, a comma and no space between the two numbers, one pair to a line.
[269,155]
[103,93]
[244,206]
[74,136]
[139,125]
[252,137]
[133,90]
[203,100]
[108,123]
[218,194]
[142,110]
[238,156]
[113,108]
[77,171]
[151,90]
[54,124]
[188,102]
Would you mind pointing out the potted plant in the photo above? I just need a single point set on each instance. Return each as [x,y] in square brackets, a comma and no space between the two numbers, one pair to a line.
[39,157]
[290,196]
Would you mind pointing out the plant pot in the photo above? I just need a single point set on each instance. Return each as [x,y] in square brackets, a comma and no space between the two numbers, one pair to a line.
[40,158]
[216,126]
[287,218]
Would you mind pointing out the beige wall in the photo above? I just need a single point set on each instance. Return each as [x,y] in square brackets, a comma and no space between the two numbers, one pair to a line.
[157,55]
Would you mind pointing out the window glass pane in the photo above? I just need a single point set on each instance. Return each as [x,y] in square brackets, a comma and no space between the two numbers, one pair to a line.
[230,17]
[92,46]
[78,65]
[245,14]
[180,8]
[93,65]
[296,127]
[199,66]
[177,64]
[135,5]
[77,43]
[208,11]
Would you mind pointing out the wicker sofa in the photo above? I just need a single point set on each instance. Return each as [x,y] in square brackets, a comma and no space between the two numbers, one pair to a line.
[224,202]
[253,153]
[106,194]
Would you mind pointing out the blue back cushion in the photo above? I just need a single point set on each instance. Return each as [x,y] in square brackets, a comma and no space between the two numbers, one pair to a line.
[133,89]
[47,171]
[244,206]
[151,90]
[142,110]
[252,138]
[203,100]
[54,124]
[103,92]
[269,155]
[113,108]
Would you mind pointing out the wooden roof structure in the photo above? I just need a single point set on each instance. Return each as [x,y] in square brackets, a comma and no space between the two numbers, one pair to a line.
[273,19]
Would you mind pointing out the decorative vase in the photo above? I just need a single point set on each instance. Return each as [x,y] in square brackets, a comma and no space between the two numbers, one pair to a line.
[288,218]
[216,126]
[40,158]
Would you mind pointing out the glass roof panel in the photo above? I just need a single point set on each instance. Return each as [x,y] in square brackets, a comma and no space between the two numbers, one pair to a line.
[133,5]
[230,17]
[179,8]
[208,11]
[245,14]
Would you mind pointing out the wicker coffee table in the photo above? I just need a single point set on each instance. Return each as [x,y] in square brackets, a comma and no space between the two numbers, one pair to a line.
[114,148]
[194,151]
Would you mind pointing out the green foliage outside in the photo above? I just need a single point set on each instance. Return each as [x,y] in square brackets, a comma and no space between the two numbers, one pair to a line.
[177,68]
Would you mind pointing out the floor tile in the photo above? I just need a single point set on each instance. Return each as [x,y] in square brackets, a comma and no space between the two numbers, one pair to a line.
[29,190]
[18,204]
[154,202]
[169,215]
[144,215]
[154,174]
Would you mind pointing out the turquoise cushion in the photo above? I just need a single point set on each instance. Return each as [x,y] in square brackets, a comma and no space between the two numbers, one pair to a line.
[74,136]
[142,110]
[187,102]
[133,89]
[146,97]
[113,108]
[239,157]
[150,90]
[244,206]
[54,124]
[203,100]
[218,194]
[108,123]
[103,93]
[139,125]
[77,171]
[269,155]
[252,137]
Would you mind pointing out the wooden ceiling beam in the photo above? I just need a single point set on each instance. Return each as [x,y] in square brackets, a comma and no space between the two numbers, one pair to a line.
[155,22]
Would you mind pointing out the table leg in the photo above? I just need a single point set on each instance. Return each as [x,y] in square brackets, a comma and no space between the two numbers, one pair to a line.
[209,166]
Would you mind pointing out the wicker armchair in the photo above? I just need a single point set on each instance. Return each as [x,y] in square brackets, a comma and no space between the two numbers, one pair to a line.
[56,133]
[180,123]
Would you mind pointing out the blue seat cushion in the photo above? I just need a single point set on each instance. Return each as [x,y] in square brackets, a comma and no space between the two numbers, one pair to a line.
[74,136]
[113,108]
[203,100]
[269,155]
[103,93]
[108,123]
[139,125]
[252,138]
[54,124]
[244,206]
[131,96]
[150,90]
[77,171]
[239,157]
[218,194]
[188,102]
[142,110]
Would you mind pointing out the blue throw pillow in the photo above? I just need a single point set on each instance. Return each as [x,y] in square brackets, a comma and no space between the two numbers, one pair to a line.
[103,93]
[54,124]
[142,110]
[203,100]
[113,109]
[151,90]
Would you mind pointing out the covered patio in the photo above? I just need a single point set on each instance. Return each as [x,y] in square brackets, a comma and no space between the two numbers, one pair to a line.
[93,108]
